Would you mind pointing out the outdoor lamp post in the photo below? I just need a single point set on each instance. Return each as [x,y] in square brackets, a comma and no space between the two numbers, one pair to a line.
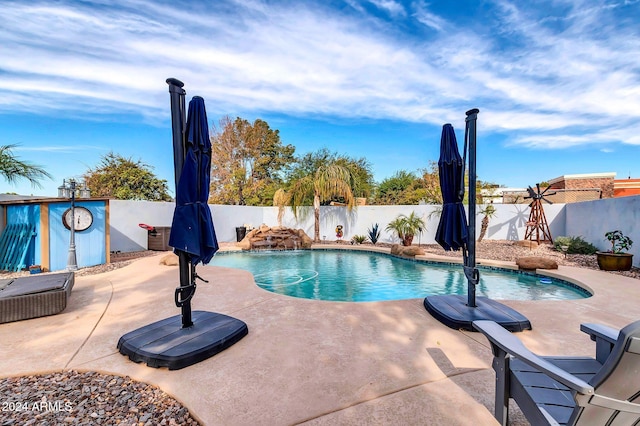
[69,190]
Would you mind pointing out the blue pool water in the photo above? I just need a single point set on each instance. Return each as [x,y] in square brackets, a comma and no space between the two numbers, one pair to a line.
[353,276]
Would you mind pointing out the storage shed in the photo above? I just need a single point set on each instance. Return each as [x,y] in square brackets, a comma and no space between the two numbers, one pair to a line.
[32,232]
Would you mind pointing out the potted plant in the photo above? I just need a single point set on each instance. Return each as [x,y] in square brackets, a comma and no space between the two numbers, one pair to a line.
[406,227]
[615,259]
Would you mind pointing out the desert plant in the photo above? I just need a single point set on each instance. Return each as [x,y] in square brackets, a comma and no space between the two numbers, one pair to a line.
[359,239]
[407,227]
[374,234]
[619,242]
[575,245]
[488,213]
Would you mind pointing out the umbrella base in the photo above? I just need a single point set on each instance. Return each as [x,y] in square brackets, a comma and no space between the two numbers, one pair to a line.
[453,312]
[166,344]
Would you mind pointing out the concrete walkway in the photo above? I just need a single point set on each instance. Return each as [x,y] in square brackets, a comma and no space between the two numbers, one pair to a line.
[303,361]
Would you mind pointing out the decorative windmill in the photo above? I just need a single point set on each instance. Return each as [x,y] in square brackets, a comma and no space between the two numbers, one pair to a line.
[537,226]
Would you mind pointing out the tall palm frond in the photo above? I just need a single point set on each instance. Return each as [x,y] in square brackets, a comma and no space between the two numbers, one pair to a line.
[13,169]
[328,182]
[281,199]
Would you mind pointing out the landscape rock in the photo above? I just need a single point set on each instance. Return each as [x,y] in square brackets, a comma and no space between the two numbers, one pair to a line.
[72,397]
[527,243]
[408,251]
[531,263]
[275,238]
[170,259]
[245,244]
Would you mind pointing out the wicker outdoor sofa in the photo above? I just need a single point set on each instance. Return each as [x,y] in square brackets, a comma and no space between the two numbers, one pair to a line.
[34,296]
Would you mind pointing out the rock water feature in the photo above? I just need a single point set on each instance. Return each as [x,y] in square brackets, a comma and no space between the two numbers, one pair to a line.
[275,238]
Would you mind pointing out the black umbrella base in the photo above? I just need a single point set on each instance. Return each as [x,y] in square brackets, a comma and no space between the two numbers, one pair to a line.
[453,312]
[166,344]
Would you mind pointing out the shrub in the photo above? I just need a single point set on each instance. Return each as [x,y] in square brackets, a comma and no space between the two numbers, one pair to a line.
[577,245]
[619,242]
[359,239]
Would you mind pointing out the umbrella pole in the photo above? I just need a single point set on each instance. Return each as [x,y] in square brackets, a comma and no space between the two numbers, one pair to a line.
[472,116]
[184,293]
[178,122]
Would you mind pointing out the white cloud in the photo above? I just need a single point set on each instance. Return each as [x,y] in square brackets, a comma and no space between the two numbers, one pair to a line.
[431,20]
[545,78]
[394,8]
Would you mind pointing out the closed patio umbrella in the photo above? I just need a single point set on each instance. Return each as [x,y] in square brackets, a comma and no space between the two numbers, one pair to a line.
[453,234]
[181,340]
[452,230]
[192,229]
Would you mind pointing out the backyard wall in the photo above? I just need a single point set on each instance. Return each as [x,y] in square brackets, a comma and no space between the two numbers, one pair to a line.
[591,219]
[509,223]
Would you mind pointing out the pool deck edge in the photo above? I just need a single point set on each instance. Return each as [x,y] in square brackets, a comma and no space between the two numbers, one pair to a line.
[316,362]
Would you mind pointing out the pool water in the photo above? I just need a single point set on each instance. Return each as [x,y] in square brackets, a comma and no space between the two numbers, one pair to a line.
[354,276]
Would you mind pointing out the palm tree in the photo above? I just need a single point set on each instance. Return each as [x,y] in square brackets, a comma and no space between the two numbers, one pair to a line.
[328,182]
[407,227]
[13,169]
[488,213]
[281,199]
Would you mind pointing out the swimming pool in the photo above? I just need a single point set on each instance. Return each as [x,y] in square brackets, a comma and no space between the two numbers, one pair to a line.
[358,276]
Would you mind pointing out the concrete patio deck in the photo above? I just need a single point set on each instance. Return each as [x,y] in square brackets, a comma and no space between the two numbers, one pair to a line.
[303,361]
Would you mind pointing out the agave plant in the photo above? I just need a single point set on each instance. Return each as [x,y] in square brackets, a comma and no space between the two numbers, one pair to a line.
[374,234]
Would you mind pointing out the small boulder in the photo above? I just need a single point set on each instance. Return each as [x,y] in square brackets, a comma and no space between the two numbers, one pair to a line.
[264,229]
[305,241]
[245,244]
[170,259]
[535,262]
[408,251]
[412,251]
[527,243]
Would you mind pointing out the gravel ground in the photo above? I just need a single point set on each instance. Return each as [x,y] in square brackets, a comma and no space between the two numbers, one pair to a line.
[87,398]
[71,397]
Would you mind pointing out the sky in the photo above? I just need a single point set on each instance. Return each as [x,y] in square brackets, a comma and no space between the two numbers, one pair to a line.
[557,82]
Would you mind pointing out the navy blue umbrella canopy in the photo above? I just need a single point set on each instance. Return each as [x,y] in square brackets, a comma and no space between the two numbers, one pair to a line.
[192,230]
[452,233]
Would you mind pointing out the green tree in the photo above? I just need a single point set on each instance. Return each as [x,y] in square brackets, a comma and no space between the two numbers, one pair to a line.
[361,180]
[125,179]
[427,188]
[248,162]
[328,182]
[406,188]
[362,183]
[13,169]
[392,190]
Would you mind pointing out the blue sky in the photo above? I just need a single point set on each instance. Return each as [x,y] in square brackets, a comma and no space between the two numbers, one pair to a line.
[557,82]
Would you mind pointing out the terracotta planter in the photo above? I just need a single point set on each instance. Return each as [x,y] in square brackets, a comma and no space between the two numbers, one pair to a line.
[615,261]
[407,240]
